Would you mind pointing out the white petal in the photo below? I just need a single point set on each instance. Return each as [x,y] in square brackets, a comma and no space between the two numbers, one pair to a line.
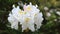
[13,21]
[32,28]
[38,20]
[36,5]
[24,28]
[13,6]
[30,3]
[14,25]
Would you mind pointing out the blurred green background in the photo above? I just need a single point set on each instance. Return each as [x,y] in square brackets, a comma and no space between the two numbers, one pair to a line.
[50,25]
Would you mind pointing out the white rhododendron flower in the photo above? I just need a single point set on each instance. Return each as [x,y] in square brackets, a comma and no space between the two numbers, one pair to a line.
[28,17]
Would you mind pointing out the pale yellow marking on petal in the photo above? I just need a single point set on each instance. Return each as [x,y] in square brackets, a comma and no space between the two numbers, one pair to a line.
[28,8]
[35,14]
[20,12]
[27,20]
[24,12]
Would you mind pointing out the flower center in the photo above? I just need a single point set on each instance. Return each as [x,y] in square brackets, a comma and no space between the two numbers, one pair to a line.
[27,20]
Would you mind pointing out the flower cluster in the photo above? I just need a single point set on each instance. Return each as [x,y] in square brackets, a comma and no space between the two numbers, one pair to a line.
[28,17]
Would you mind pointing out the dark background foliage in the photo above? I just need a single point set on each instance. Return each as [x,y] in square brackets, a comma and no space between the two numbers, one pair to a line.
[49,26]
